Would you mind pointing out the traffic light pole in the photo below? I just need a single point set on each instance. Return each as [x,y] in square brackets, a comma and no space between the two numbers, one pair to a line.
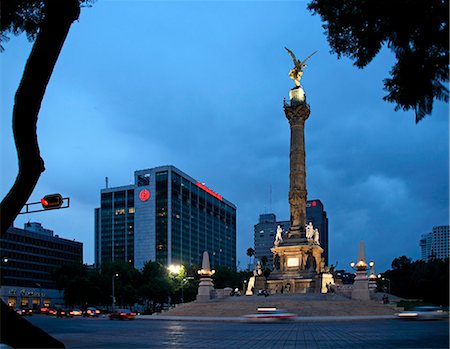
[66,203]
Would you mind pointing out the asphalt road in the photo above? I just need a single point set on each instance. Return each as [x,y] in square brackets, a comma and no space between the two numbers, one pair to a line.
[136,334]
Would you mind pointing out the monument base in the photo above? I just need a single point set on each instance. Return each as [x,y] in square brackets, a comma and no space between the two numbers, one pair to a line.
[292,285]
[297,263]
[205,290]
[361,286]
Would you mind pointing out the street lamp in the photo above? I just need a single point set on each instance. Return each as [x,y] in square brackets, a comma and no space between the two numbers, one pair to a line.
[372,276]
[40,294]
[177,269]
[113,291]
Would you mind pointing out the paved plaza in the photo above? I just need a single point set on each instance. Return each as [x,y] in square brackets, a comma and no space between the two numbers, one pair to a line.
[103,333]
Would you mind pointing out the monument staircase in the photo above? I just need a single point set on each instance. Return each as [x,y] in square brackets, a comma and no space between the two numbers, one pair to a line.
[312,304]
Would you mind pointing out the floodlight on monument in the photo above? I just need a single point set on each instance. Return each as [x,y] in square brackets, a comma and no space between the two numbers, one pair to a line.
[371,263]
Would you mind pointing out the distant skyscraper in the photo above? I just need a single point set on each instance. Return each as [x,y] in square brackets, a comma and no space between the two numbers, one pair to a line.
[265,230]
[166,216]
[435,244]
[264,235]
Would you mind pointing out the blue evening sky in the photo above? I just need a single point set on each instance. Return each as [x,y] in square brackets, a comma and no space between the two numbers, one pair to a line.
[200,85]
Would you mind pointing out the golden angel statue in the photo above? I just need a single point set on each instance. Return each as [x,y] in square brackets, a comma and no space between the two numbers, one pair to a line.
[297,72]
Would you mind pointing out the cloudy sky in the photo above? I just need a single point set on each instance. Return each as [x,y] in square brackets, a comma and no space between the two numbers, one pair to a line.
[200,85]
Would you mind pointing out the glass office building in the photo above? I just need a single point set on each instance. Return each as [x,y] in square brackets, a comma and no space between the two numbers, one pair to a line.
[166,216]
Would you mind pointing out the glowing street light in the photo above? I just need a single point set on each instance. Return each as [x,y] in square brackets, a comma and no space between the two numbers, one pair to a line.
[174,268]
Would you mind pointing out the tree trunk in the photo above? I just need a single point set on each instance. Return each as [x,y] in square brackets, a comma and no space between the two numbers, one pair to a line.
[59,15]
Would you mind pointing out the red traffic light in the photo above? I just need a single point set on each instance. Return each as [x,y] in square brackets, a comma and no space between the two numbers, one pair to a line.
[52,201]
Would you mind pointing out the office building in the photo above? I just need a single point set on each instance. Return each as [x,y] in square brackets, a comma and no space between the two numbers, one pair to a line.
[165,216]
[28,257]
[435,244]
[265,230]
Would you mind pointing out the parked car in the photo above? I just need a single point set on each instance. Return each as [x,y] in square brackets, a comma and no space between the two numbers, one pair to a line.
[91,312]
[424,313]
[122,314]
[269,315]
[76,312]
[24,311]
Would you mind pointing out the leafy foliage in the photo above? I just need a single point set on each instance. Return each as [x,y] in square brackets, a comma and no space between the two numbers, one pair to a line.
[20,16]
[428,281]
[417,31]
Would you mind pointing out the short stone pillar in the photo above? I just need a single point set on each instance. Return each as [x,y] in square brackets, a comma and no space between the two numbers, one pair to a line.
[361,286]
[206,286]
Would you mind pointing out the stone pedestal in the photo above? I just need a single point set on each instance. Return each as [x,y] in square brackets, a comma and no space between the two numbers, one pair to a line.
[205,290]
[361,286]
[296,268]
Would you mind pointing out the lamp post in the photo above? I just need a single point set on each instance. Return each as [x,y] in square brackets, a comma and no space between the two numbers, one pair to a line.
[175,270]
[40,294]
[113,291]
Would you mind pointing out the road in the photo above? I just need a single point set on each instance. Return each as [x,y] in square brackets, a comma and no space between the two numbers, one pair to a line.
[136,334]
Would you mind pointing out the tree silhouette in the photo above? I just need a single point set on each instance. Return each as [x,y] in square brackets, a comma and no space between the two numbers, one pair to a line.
[47,22]
[250,253]
[417,31]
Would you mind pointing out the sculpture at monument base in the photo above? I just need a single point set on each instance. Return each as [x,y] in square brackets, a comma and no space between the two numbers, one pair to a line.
[257,282]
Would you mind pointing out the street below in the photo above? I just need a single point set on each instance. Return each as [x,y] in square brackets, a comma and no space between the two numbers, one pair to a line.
[104,333]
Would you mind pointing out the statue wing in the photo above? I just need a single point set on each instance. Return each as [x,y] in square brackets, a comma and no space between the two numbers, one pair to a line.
[302,64]
[292,55]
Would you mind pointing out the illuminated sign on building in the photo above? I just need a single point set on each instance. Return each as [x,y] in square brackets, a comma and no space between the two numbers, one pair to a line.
[209,191]
[144,195]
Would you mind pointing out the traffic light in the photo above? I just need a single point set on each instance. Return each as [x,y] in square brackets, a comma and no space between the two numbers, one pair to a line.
[52,201]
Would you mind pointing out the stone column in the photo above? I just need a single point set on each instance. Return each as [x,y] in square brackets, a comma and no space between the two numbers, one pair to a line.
[297,111]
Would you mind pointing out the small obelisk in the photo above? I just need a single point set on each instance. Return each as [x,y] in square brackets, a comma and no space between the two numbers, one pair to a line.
[361,283]
[206,286]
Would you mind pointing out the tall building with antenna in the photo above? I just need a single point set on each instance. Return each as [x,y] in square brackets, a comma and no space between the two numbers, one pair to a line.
[165,216]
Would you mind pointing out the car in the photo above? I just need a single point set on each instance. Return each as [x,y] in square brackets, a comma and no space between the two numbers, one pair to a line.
[76,312]
[24,311]
[61,313]
[91,312]
[44,310]
[427,312]
[122,314]
[270,315]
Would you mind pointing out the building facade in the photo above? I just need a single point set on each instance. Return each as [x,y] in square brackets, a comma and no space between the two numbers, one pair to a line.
[28,256]
[264,236]
[165,216]
[435,244]
[265,230]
